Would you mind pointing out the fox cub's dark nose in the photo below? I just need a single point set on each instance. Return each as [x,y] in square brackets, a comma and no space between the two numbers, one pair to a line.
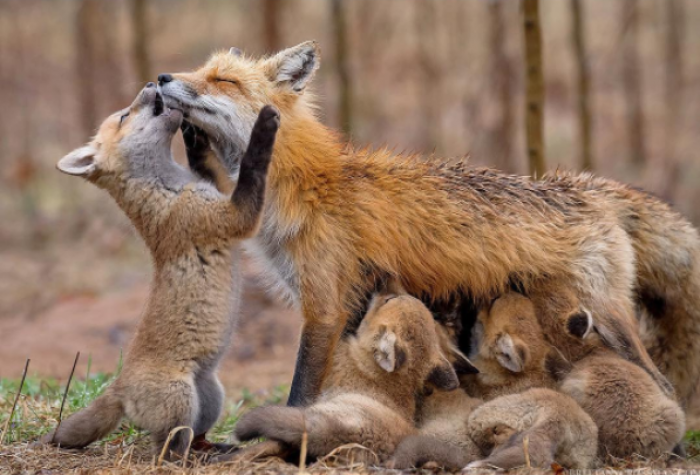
[163,78]
[150,84]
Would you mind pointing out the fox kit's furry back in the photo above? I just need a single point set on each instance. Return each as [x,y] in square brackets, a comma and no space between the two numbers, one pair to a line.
[370,395]
[634,417]
[556,428]
[169,374]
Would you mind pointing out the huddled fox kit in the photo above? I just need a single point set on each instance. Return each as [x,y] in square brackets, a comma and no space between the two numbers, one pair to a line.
[511,351]
[370,397]
[634,417]
[442,227]
[456,429]
[443,436]
[555,427]
[169,374]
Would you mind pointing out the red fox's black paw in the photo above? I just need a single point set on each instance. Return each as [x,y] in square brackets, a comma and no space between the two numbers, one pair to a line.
[269,118]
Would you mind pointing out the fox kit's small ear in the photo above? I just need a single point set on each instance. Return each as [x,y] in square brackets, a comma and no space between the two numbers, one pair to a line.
[294,67]
[580,324]
[235,51]
[80,162]
[443,376]
[388,353]
[511,354]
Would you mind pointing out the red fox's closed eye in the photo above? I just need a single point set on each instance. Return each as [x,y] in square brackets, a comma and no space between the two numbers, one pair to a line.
[232,81]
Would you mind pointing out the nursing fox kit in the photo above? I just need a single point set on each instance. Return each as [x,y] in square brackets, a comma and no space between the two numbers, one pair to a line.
[338,220]
[169,375]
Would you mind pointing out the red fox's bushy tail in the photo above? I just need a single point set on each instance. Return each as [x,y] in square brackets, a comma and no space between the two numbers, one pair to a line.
[668,287]
[89,424]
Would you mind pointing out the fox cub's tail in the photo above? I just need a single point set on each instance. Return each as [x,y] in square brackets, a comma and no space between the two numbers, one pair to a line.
[88,425]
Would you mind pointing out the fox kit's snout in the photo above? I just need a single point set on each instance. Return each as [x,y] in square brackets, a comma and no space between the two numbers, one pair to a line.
[125,138]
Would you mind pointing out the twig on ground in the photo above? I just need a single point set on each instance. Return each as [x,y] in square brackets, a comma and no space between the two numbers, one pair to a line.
[526,448]
[304,447]
[167,443]
[14,404]
[65,395]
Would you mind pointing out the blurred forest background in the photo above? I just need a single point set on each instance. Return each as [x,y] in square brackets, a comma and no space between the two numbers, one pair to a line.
[621,84]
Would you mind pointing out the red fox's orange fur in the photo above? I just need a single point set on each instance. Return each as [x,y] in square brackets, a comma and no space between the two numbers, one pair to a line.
[337,219]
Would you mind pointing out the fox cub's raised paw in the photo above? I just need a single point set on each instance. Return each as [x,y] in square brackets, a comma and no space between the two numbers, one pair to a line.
[269,119]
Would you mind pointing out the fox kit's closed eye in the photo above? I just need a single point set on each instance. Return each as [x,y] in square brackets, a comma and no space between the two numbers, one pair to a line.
[371,392]
[169,374]
[634,417]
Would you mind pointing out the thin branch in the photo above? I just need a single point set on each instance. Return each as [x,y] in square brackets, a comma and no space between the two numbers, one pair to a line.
[65,395]
[14,405]
[534,118]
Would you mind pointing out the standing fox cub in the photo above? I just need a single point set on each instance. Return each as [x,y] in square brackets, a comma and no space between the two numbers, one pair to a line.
[370,395]
[339,219]
[169,375]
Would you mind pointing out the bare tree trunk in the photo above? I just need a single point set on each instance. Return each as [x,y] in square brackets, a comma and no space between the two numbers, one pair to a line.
[632,82]
[343,67]
[534,75]
[139,51]
[271,23]
[425,22]
[584,112]
[674,39]
[86,65]
[501,75]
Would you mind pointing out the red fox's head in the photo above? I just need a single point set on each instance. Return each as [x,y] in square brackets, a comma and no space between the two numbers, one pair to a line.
[224,96]
[128,142]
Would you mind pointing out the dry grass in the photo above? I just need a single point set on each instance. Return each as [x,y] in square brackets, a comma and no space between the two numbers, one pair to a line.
[128,450]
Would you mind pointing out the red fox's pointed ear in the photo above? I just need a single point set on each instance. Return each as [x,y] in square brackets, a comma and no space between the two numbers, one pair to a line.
[294,67]
[80,162]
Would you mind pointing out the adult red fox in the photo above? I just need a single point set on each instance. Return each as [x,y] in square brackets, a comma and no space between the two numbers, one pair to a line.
[338,219]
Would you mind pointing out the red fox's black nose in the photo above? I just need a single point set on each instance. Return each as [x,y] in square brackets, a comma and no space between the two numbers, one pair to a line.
[163,78]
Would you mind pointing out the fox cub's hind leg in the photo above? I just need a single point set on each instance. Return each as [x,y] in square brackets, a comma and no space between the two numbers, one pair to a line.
[211,399]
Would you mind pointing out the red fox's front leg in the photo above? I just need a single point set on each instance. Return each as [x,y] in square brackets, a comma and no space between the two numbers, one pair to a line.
[324,319]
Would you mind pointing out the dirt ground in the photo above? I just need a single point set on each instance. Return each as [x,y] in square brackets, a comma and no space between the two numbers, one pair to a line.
[100,325]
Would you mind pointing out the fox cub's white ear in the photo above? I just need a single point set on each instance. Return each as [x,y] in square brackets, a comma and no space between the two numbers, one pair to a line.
[80,162]
[511,354]
[387,352]
[294,67]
